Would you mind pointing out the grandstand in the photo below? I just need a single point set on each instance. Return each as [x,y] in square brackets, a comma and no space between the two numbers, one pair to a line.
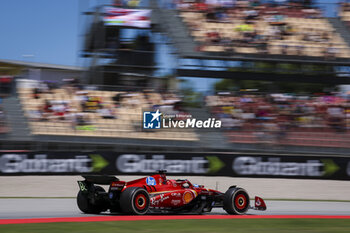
[287,30]
[93,113]
[344,13]
[293,54]
[3,124]
[5,90]
[283,119]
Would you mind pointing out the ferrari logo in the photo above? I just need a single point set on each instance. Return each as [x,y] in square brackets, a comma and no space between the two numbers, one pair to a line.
[258,203]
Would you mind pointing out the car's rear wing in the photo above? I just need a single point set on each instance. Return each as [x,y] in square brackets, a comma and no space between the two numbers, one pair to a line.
[100,179]
[87,185]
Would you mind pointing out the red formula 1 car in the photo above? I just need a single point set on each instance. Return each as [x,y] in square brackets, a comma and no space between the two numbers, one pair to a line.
[157,194]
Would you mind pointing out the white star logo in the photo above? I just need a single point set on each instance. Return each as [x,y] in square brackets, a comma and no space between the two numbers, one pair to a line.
[156,115]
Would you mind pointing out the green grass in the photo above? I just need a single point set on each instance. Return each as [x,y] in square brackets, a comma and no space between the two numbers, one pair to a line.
[193,226]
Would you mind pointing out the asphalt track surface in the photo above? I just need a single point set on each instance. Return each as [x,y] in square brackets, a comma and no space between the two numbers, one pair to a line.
[23,208]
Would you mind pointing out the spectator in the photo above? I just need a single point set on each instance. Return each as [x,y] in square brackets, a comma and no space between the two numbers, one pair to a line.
[36,93]
[330,52]
[106,112]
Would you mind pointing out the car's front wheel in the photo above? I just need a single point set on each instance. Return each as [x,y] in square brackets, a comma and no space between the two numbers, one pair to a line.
[236,201]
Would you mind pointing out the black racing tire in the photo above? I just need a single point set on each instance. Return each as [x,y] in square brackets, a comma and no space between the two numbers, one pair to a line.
[236,201]
[134,200]
[86,206]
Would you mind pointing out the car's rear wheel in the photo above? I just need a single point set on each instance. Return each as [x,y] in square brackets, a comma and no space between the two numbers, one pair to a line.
[134,200]
[86,205]
[236,201]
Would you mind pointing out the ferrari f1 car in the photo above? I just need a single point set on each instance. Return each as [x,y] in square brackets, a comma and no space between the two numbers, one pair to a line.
[157,194]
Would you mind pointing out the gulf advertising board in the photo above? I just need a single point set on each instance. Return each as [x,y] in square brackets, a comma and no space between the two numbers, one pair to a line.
[199,164]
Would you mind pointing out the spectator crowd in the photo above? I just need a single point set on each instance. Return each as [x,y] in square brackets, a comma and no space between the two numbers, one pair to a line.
[3,125]
[275,115]
[74,109]
[285,27]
